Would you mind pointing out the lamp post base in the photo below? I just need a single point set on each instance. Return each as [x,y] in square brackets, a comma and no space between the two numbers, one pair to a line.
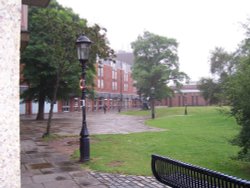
[84,149]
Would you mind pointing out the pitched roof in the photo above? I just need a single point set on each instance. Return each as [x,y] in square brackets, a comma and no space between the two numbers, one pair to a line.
[126,57]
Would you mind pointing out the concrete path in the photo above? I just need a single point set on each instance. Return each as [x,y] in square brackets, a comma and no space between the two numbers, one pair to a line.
[48,164]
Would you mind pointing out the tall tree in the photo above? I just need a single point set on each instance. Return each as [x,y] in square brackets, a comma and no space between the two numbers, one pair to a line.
[156,64]
[238,93]
[51,68]
[222,63]
[232,71]
[222,66]
[50,58]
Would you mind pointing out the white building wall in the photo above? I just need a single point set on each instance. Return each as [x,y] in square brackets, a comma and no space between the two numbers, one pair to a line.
[10,24]
[22,108]
[46,108]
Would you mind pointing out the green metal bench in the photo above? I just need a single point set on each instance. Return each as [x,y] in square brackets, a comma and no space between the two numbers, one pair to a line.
[177,174]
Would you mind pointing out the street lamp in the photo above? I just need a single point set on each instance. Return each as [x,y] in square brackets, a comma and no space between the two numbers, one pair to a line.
[83,46]
[152,90]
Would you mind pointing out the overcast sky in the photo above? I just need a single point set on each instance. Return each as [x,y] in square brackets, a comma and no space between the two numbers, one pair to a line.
[197,25]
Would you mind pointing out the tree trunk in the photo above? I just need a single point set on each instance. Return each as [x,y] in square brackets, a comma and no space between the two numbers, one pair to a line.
[40,114]
[47,133]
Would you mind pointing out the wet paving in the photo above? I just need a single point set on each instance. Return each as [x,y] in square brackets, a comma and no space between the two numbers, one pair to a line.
[68,124]
[46,164]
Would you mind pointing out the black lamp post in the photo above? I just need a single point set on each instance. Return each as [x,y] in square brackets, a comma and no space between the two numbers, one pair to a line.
[152,90]
[83,46]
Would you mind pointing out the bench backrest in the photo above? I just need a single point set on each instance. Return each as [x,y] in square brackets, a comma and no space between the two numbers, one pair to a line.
[183,175]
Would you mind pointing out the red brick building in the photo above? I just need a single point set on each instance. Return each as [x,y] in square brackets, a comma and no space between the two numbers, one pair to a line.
[114,87]
[188,95]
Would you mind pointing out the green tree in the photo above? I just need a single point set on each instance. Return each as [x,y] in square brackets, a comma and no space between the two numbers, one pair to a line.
[232,71]
[222,63]
[156,64]
[238,93]
[51,69]
[210,90]
[50,57]
[222,66]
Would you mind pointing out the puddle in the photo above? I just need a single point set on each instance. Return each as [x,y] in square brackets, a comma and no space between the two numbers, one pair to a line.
[48,172]
[58,178]
[41,165]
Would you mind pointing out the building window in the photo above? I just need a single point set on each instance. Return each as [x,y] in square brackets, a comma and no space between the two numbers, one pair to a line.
[126,77]
[114,85]
[114,74]
[100,71]
[65,106]
[100,83]
[125,87]
[76,104]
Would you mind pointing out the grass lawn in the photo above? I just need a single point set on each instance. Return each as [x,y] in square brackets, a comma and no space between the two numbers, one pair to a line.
[200,138]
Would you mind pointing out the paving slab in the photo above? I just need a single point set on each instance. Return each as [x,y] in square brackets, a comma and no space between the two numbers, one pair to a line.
[98,123]
[48,164]
[61,184]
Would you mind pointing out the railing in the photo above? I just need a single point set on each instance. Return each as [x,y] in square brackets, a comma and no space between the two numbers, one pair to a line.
[177,174]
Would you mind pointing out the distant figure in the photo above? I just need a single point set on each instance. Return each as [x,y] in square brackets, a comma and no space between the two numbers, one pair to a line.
[104,108]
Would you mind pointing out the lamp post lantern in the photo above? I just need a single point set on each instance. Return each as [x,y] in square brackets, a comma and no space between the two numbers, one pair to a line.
[83,46]
[152,90]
